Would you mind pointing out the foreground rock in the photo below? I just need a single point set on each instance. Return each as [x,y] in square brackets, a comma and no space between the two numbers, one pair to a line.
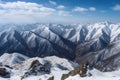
[81,70]
[4,73]
[36,68]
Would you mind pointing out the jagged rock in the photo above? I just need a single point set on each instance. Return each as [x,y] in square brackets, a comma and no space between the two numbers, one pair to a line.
[81,70]
[64,76]
[51,78]
[34,64]
[8,66]
[1,64]
[4,72]
[36,68]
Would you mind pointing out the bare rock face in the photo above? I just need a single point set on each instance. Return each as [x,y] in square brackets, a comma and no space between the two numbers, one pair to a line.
[34,64]
[51,78]
[81,70]
[36,68]
[4,72]
[64,76]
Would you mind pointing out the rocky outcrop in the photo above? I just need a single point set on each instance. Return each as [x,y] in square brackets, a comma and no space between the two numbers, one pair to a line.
[4,73]
[36,68]
[81,70]
[51,78]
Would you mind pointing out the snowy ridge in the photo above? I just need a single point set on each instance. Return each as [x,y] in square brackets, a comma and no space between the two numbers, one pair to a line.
[58,67]
[11,59]
[55,61]
[99,41]
[35,43]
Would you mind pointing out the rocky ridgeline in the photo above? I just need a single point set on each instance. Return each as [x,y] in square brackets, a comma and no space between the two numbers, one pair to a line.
[36,68]
[81,70]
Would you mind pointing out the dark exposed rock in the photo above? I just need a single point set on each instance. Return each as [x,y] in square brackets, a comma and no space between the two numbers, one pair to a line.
[34,64]
[64,76]
[8,66]
[81,70]
[51,78]
[1,64]
[36,68]
[4,73]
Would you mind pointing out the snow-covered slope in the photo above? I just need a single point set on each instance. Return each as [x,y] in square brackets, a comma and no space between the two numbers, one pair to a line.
[37,68]
[97,75]
[29,70]
[40,41]
[99,41]
[56,63]
[11,59]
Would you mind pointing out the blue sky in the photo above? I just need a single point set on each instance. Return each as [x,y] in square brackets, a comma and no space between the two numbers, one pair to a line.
[59,11]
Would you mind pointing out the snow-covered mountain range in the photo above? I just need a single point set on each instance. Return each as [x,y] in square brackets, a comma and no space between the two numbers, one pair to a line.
[97,43]
[15,68]
[48,68]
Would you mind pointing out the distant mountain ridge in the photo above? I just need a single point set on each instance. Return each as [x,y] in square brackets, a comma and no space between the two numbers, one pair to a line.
[97,43]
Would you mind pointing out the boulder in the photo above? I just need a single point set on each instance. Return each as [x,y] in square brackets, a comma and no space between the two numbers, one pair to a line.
[4,72]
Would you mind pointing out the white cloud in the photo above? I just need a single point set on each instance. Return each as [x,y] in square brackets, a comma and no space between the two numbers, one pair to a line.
[61,7]
[116,7]
[92,8]
[19,5]
[52,2]
[26,10]
[2,12]
[64,13]
[25,6]
[80,9]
